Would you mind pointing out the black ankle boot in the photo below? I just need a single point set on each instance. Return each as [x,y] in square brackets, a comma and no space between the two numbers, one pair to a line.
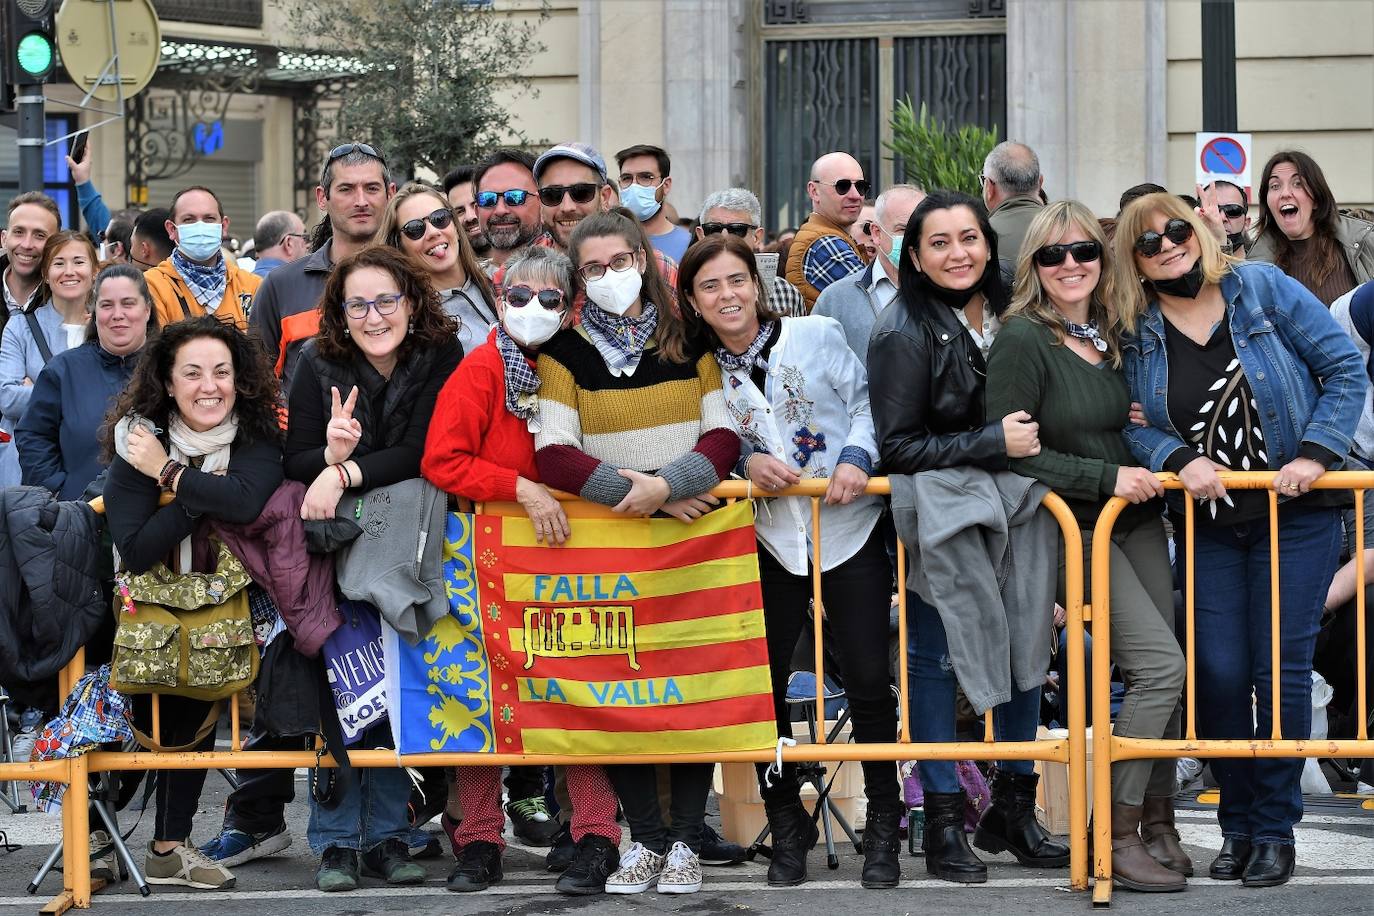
[794,833]
[882,846]
[946,845]
[1010,823]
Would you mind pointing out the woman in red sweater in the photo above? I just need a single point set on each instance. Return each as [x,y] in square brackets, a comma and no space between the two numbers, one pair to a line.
[481,447]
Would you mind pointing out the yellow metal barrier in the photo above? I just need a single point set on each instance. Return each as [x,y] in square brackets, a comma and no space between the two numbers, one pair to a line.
[1070,751]
[1108,748]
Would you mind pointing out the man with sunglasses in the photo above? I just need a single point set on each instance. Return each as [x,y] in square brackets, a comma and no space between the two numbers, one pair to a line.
[738,212]
[507,201]
[573,184]
[823,250]
[1234,208]
[461,191]
[1011,183]
[857,300]
[353,191]
[644,187]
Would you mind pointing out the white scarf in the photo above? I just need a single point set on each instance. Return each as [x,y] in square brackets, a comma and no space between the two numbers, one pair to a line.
[185,443]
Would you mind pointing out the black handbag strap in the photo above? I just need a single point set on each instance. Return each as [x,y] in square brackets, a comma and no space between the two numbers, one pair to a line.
[38,337]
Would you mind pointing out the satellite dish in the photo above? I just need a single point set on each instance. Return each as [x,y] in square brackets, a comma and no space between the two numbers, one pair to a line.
[91,34]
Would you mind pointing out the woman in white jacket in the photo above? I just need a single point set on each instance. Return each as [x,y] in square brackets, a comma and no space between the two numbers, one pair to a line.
[799,400]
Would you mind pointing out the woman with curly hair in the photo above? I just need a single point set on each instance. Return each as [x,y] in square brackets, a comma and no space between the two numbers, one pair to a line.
[198,422]
[360,405]
[419,221]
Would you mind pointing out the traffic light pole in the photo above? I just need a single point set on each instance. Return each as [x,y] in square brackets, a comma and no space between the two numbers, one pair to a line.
[29,104]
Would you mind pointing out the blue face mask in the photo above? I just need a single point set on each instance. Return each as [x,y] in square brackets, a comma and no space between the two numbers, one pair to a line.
[200,241]
[641,201]
[894,254]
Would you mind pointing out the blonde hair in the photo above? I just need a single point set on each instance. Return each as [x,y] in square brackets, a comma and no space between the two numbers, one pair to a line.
[389,233]
[1133,288]
[1029,298]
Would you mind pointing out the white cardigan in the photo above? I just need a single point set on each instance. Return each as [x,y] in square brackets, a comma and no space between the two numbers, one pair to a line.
[814,406]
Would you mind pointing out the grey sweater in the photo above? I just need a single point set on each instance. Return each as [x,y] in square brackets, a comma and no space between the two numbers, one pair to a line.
[984,556]
[848,302]
[397,563]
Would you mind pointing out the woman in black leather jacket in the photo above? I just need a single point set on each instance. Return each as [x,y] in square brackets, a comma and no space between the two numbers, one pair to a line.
[927,369]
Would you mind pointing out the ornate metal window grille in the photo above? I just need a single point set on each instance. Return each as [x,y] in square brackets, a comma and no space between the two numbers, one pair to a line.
[961,78]
[821,96]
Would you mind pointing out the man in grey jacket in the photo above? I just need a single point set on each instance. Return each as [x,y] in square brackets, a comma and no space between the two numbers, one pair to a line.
[1011,182]
[857,300]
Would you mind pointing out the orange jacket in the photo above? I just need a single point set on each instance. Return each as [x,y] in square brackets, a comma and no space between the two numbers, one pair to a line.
[173,299]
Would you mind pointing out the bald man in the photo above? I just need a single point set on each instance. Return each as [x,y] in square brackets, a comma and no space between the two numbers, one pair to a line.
[823,250]
[1011,182]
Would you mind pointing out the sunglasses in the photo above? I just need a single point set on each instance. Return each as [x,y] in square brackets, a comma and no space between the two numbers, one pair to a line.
[1232,211]
[385,305]
[1054,255]
[345,149]
[415,229]
[520,296]
[739,229]
[515,197]
[844,184]
[1176,230]
[582,193]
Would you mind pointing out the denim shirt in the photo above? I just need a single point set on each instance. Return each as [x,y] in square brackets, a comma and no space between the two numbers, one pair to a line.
[1306,375]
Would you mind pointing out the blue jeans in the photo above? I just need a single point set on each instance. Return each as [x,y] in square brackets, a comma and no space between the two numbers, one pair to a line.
[932,699]
[1261,799]
[372,811]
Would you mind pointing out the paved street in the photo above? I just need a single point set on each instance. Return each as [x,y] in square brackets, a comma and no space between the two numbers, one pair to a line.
[1335,875]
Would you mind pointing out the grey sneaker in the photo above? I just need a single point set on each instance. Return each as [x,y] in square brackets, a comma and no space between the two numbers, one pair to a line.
[639,869]
[681,871]
[102,856]
[188,867]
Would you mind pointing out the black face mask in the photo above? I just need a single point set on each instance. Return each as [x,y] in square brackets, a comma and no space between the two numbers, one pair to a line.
[1237,240]
[954,298]
[1186,286]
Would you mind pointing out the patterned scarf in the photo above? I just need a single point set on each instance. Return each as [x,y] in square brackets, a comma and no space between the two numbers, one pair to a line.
[746,361]
[620,339]
[521,382]
[207,284]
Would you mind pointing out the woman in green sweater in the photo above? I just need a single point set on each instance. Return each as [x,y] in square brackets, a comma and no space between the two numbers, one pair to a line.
[1058,357]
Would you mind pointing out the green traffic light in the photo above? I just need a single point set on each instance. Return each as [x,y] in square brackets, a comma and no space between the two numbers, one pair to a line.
[35,54]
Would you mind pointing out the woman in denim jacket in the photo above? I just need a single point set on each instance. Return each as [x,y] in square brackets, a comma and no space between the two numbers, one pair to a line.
[1239,367]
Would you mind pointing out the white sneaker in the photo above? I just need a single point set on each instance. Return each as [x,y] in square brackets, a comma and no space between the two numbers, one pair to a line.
[681,872]
[639,868]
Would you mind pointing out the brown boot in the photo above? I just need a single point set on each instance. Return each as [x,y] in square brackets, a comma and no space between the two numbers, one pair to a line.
[1160,836]
[1132,865]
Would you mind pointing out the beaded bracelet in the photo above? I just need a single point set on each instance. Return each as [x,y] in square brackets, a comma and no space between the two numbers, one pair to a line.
[166,465]
[343,479]
[168,472]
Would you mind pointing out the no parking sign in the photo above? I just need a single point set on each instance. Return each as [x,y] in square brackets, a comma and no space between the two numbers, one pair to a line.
[1224,157]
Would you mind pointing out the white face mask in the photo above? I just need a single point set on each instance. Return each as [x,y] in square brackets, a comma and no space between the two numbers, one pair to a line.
[531,324]
[616,290]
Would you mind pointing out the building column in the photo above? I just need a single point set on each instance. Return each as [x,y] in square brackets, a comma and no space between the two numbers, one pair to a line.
[704,99]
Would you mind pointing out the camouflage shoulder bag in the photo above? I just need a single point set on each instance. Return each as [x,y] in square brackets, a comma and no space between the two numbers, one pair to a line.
[188,634]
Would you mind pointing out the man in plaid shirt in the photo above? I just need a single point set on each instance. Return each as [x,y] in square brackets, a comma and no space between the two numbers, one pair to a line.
[823,250]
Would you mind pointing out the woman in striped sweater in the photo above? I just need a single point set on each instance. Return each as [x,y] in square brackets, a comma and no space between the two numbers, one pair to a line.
[631,419]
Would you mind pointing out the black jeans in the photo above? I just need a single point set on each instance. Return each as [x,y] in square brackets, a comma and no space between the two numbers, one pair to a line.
[178,791]
[857,595]
[637,786]
[258,805]
[524,782]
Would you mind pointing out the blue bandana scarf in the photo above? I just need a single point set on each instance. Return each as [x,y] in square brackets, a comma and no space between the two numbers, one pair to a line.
[207,284]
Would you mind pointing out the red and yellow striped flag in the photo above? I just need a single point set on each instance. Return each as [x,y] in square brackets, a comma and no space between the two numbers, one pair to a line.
[637,635]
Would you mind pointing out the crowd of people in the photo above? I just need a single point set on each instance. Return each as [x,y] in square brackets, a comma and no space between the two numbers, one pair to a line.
[539,323]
